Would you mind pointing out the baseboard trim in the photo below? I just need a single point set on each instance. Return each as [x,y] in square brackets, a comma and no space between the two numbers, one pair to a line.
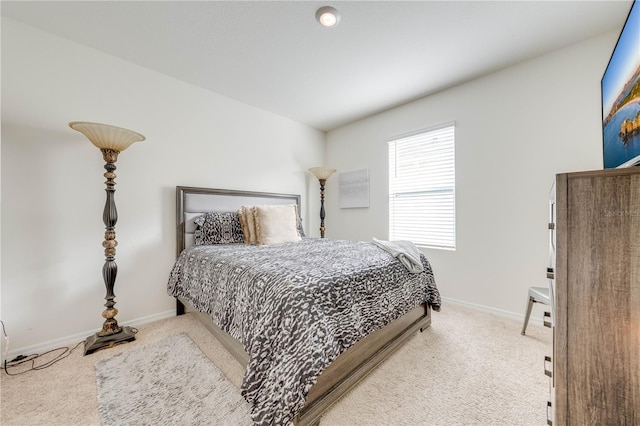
[72,340]
[533,320]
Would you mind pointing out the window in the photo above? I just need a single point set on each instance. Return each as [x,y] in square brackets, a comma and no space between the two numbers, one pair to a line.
[422,188]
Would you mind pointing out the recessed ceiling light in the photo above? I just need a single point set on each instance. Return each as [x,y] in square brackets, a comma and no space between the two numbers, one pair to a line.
[328,16]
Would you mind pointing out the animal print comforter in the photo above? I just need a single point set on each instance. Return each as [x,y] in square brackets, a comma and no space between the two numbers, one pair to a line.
[295,307]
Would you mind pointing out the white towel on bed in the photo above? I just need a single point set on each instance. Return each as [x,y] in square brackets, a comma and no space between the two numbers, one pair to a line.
[405,251]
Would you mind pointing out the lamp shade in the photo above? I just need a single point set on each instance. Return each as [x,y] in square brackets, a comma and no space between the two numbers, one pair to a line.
[322,173]
[105,136]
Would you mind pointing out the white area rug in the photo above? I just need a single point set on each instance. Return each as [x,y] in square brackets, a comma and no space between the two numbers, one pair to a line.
[169,382]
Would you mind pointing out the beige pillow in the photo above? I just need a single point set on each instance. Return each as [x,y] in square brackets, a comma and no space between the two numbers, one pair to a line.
[248,225]
[276,224]
[243,224]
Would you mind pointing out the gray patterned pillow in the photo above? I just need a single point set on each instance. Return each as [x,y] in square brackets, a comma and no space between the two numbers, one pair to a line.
[218,228]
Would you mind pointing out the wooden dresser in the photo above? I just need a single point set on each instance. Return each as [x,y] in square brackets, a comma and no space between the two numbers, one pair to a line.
[596,361]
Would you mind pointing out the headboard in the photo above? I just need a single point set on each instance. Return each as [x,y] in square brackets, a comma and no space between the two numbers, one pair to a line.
[192,202]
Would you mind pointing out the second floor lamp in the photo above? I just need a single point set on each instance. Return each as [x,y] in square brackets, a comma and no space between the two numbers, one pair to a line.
[322,173]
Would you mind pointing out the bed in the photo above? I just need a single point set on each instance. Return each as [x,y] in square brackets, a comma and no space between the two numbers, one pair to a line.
[299,357]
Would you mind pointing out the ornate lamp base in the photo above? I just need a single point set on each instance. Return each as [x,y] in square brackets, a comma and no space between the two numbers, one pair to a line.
[97,342]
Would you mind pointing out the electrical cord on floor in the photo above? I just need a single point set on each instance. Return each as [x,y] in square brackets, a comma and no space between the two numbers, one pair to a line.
[22,359]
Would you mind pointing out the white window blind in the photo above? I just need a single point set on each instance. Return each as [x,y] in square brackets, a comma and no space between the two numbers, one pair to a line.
[422,188]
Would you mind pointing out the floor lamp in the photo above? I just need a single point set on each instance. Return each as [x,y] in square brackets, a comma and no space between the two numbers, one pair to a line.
[322,173]
[111,141]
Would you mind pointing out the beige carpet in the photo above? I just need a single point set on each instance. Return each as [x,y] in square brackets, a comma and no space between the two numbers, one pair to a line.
[469,368]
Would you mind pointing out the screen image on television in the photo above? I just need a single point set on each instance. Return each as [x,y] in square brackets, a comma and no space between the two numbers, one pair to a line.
[621,97]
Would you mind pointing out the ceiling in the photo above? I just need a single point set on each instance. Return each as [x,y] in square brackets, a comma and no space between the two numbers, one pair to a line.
[275,56]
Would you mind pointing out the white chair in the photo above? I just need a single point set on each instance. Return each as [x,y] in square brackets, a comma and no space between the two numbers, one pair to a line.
[536,295]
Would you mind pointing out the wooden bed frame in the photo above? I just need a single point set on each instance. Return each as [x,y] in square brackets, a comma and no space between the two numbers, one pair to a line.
[346,370]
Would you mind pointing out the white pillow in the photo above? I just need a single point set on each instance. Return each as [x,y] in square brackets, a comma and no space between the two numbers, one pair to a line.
[276,224]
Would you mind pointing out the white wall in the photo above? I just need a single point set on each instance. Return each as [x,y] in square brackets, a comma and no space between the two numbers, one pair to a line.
[515,129]
[53,188]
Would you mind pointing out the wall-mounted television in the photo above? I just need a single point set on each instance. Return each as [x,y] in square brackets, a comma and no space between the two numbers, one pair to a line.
[621,97]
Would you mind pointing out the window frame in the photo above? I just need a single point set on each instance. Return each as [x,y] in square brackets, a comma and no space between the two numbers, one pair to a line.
[442,193]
